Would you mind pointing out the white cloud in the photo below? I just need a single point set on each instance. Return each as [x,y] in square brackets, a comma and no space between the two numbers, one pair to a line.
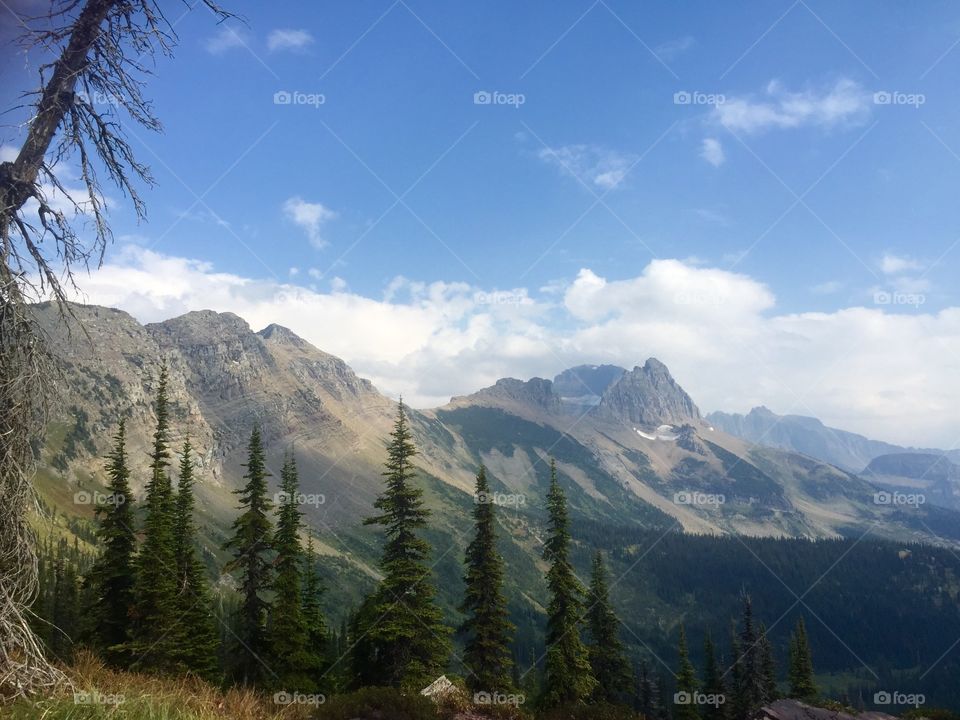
[712,151]
[827,288]
[843,103]
[225,39]
[891,264]
[672,49]
[310,217]
[889,375]
[591,164]
[287,39]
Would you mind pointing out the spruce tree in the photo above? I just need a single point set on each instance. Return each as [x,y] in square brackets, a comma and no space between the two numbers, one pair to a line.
[155,618]
[685,706]
[295,664]
[644,702]
[251,549]
[113,573]
[767,667]
[317,636]
[605,650]
[196,650]
[750,691]
[802,683]
[487,628]
[713,684]
[569,679]
[409,642]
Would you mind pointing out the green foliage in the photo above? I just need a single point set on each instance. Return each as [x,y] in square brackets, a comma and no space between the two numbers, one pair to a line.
[713,683]
[316,626]
[378,703]
[406,642]
[113,574]
[802,684]
[251,548]
[684,706]
[154,630]
[768,668]
[569,679]
[487,652]
[196,650]
[598,711]
[294,662]
[606,652]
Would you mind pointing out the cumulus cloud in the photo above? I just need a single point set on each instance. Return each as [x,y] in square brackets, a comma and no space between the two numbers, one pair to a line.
[845,102]
[891,264]
[890,375]
[288,39]
[712,151]
[310,217]
[591,164]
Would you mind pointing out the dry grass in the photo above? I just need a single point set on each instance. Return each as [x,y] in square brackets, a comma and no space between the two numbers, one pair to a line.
[146,697]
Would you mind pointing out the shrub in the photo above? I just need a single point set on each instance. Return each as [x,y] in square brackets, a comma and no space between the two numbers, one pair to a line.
[375,703]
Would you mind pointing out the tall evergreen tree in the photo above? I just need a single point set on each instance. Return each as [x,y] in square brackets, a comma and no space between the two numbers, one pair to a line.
[317,636]
[608,661]
[802,683]
[569,679]
[644,702]
[155,590]
[685,706]
[749,692]
[113,573]
[767,666]
[296,665]
[197,644]
[251,546]
[488,631]
[713,683]
[409,643]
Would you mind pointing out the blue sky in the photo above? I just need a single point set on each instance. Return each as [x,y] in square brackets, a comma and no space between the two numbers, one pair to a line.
[814,169]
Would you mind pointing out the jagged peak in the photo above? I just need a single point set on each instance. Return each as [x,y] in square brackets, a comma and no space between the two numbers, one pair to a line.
[281,335]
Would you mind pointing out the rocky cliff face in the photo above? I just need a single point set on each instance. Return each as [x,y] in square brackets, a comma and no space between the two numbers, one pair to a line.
[648,396]
[534,393]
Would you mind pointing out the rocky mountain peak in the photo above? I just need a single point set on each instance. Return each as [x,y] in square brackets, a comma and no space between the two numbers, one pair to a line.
[282,336]
[537,392]
[648,396]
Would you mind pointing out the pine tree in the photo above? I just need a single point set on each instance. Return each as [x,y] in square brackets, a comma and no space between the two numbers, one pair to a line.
[251,559]
[685,706]
[488,631]
[568,677]
[607,659]
[295,664]
[317,638]
[750,691]
[155,590]
[802,683]
[409,642]
[713,684]
[113,573]
[196,650]
[767,666]
[644,702]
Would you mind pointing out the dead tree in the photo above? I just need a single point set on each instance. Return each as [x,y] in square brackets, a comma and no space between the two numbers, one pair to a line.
[102,48]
